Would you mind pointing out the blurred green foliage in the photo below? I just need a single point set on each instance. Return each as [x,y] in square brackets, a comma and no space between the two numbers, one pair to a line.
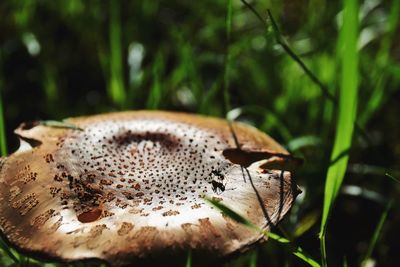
[67,58]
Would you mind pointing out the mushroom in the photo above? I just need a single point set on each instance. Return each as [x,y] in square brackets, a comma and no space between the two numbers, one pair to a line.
[129,188]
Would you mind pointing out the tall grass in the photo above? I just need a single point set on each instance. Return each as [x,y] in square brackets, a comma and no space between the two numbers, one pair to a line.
[392,177]
[297,251]
[116,88]
[381,75]
[347,104]
[377,232]
[347,111]
[253,259]
[189,70]
[227,61]
[3,150]
[289,51]
[189,259]
[157,88]
[3,141]
[50,84]
[164,79]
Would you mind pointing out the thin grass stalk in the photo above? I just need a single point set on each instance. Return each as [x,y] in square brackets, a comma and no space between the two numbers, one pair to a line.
[347,109]
[345,263]
[116,85]
[253,259]
[381,76]
[156,90]
[227,61]
[296,250]
[279,39]
[392,177]
[288,50]
[189,259]
[206,101]
[4,152]
[377,233]
[7,250]
[50,84]
[191,70]
[3,140]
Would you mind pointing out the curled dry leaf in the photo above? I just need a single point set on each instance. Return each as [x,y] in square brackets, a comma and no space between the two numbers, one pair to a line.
[128,188]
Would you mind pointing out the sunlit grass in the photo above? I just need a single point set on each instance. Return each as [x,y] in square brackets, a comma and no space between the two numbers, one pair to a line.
[347,111]
[296,250]
[347,104]
[381,75]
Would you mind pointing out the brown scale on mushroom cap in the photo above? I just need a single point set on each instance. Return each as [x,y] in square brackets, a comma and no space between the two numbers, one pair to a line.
[129,187]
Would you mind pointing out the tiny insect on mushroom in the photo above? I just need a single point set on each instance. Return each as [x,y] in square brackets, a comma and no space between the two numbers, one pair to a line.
[128,188]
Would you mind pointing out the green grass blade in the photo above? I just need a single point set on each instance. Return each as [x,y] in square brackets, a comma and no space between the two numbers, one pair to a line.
[280,40]
[381,76]
[116,85]
[8,251]
[377,232]
[206,105]
[288,50]
[347,113]
[292,54]
[156,90]
[227,61]
[253,259]
[190,70]
[303,141]
[3,141]
[232,214]
[270,119]
[189,259]
[58,265]
[297,251]
[50,84]
[392,177]
[306,223]
[3,151]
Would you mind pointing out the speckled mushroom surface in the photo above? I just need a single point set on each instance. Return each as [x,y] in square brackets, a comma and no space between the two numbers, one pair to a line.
[129,186]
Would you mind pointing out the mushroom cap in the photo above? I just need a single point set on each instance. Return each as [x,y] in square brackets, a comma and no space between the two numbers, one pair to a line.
[129,187]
